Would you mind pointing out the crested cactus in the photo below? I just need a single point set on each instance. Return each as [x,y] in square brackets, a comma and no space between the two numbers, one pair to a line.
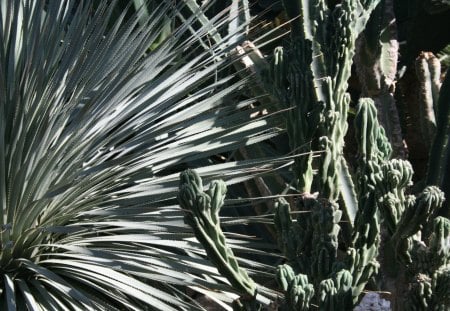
[414,216]
[284,274]
[310,243]
[310,246]
[392,181]
[440,243]
[310,79]
[374,150]
[441,286]
[290,239]
[420,293]
[325,217]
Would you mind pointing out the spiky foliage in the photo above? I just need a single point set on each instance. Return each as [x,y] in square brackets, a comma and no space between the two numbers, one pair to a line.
[93,128]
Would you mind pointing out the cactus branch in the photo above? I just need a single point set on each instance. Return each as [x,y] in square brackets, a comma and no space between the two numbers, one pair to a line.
[202,214]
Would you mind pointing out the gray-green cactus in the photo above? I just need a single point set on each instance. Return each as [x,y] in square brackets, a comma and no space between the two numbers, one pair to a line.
[336,292]
[374,150]
[290,237]
[428,71]
[299,293]
[394,178]
[310,245]
[308,78]
[420,293]
[311,77]
[202,214]
[415,215]
[441,288]
[440,243]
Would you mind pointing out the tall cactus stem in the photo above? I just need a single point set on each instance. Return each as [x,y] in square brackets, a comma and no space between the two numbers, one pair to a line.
[437,165]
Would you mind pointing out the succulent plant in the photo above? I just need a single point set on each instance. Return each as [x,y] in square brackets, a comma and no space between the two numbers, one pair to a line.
[202,214]
[388,219]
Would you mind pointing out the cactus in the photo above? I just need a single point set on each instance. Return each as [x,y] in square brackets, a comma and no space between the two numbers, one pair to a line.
[419,213]
[299,293]
[316,80]
[310,243]
[291,238]
[376,63]
[320,60]
[420,293]
[323,44]
[440,243]
[336,292]
[202,214]
[309,79]
[428,71]
[437,164]
[392,181]
[441,288]
[310,246]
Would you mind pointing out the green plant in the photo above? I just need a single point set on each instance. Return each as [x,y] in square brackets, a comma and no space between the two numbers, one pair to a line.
[202,214]
[94,128]
[309,78]
[313,89]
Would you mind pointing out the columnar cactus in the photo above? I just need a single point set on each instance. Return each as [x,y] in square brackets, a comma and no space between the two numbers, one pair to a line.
[336,292]
[202,214]
[374,150]
[320,60]
[308,78]
[428,71]
[299,291]
[429,288]
[310,246]
[376,61]
[440,149]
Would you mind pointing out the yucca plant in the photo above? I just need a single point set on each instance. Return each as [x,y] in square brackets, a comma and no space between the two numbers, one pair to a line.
[94,128]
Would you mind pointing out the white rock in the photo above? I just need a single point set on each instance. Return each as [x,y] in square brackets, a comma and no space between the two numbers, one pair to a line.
[373,302]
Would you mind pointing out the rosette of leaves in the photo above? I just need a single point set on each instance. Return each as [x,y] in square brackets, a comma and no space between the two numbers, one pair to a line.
[97,118]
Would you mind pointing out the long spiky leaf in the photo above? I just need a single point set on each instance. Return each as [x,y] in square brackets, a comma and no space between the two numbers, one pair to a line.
[94,128]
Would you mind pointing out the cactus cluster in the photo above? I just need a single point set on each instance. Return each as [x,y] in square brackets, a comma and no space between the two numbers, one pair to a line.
[360,223]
